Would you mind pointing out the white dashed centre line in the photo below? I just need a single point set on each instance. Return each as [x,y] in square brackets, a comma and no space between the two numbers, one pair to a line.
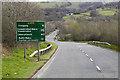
[91,59]
[98,68]
[86,55]
[83,51]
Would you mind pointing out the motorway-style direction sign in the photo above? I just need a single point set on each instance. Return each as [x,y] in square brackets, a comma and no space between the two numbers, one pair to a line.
[30,31]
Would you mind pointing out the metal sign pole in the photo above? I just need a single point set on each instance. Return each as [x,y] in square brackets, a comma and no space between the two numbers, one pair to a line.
[38,52]
[24,50]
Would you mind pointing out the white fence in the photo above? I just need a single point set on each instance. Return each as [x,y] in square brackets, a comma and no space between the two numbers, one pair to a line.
[42,51]
[96,42]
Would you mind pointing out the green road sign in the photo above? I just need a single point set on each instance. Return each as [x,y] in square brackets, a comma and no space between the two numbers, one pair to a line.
[30,31]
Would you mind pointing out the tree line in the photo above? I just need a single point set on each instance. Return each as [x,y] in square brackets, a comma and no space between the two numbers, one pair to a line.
[17,11]
[99,28]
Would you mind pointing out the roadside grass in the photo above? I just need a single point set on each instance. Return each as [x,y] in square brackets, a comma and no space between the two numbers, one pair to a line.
[0,66]
[15,66]
[113,47]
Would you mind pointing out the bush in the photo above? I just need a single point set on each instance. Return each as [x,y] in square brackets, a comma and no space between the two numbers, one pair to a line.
[95,30]
[17,11]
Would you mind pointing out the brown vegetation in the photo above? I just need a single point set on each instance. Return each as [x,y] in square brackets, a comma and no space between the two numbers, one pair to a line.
[17,11]
[91,30]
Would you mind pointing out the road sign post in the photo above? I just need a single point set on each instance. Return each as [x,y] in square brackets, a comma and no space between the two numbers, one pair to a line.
[38,51]
[30,31]
[24,50]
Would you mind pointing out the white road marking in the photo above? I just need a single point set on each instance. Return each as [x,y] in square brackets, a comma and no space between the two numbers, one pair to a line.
[86,54]
[45,69]
[38,76]
[83,51]
[52,59]
[98,68]
[90,46]
[49,65]
[91,59]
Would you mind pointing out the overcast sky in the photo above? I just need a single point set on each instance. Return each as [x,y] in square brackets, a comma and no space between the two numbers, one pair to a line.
[76,0]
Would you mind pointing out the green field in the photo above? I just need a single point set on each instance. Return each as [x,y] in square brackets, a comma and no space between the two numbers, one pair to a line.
[47,5]
[74,5]
[50,4]
[85,15]
[15,66]
[72,16]
[107,11]
[53,4]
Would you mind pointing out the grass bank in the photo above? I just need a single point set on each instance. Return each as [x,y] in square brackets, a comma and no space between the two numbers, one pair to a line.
[15,66]
[113,47]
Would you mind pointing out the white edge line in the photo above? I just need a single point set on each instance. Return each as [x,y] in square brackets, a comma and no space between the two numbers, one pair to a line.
[38,76]
[49,64]
[45,69]
[52,59]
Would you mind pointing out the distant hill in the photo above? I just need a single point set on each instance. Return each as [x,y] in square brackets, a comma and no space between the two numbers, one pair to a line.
[56,10]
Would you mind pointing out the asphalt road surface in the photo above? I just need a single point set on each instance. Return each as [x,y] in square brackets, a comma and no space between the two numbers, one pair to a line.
[79,60]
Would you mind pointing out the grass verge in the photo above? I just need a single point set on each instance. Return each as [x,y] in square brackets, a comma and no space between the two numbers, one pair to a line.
[113,47]
[15,66]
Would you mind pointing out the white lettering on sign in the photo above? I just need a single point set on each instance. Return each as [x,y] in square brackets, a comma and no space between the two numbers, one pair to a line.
[24,28]
[42,34]
[42,25]
[27,37]
[34,29]
[42,38]
[22,25]
[42,30]
[21,37]
[24,37]
[24,31]
[25,34]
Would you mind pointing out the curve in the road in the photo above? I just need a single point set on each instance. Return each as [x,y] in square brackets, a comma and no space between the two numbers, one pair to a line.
[80,60]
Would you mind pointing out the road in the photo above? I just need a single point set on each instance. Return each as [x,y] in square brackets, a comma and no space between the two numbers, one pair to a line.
[79,60]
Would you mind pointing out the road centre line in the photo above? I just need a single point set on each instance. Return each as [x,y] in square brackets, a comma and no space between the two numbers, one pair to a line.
[98,68]
[83,51]
[91,59]
[86,55]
